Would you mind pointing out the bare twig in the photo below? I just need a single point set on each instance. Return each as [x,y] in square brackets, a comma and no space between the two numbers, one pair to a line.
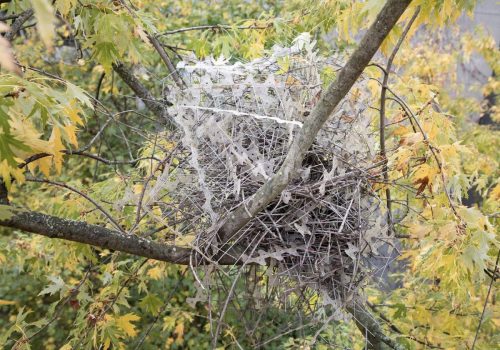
[383,94]
[214,27]
[80,193]
[486,302]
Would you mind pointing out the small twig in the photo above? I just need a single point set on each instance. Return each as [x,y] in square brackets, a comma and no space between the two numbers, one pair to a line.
[383,94]
[6,18]
[38,156]
[486,302]
[68,187]
[214,26]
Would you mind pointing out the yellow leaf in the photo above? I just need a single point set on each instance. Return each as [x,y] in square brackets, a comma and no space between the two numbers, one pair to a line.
[24,131]
[495,193]
[57,147]
[184,240]
[7,302]
[179,330]
[107,343]
[72,111]
[43,164]
[66,346]
[45,20]
[7,173]
[71,134]
[155,273]
[64,6]
[125,324]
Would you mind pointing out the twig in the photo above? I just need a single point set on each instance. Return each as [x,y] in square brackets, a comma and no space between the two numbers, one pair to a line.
[485,302]
[68,187]
[399,331]
[166,59]
[383,94]
[214,26]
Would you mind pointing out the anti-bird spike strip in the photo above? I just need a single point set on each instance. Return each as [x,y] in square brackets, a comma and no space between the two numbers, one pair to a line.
[236,122]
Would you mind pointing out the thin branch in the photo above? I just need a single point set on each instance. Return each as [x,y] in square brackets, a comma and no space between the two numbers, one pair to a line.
[486,302]
[140,90]
[166,59]
[393,327]
[383,93]
[80,193]
[6,18]
[214,26]
[18,24]
[368,325]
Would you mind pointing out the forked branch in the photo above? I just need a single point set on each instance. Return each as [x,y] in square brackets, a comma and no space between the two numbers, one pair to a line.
[378,31]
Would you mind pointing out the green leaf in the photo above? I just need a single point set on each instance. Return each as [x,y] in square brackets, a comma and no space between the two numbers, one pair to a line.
[56,286]
[151,303]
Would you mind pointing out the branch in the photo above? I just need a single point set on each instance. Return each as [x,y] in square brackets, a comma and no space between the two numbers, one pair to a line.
[164,56]
[18,24]
[368,325]
[214,26]
[82,232]
[383,94]
[140,90]
[369,45]
[486,302]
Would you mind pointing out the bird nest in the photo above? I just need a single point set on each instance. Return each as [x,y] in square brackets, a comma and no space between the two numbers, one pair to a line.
[236,122]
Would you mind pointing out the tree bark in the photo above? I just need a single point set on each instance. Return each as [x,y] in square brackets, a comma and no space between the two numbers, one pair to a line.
[82,232]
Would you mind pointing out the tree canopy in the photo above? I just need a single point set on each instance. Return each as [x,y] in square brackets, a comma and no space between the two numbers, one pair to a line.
[247,175]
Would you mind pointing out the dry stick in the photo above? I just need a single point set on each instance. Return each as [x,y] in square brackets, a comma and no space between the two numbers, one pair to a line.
[335,93]
[214,26]
[383,94]
[486,301]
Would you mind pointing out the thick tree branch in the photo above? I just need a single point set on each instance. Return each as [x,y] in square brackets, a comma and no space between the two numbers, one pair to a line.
[369,45]
[82,232]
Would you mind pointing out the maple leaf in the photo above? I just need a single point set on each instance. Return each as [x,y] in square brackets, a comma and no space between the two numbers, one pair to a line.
[125,324]
[57,147]
[155,272]
[56,286]
[424,182]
